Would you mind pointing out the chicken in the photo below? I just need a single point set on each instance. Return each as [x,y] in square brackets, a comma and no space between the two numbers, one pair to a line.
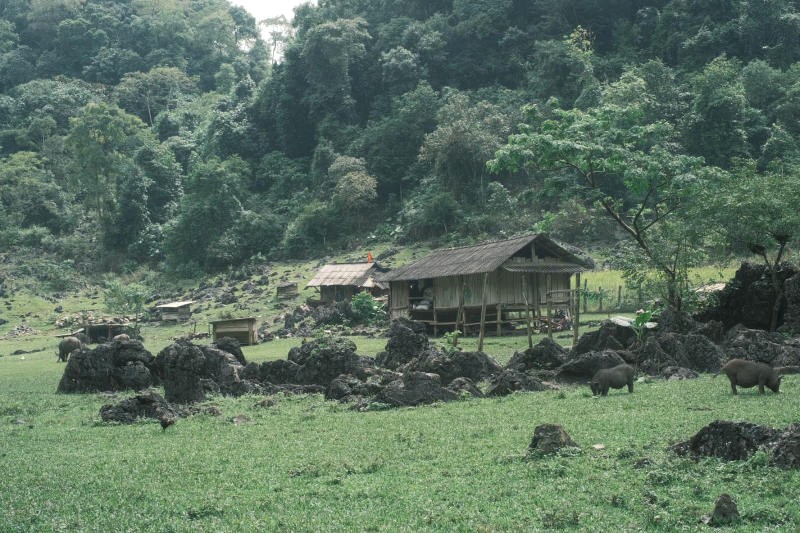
[166,422]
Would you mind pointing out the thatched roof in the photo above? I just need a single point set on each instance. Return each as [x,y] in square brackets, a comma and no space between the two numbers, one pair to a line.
[493,255]
[348,274]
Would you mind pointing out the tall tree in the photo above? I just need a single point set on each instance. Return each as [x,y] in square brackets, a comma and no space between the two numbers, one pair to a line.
[631,168]
[330,51]
[720,114]
[102,139]
[146,94]
[464,140]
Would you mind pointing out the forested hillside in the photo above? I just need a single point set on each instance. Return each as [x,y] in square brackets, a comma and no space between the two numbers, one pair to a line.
[160,133]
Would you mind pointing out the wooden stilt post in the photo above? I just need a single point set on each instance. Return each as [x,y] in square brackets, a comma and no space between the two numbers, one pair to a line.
[527,308]
[548,298]
[483,312]
[537,298]
[460,312]
[576,319]
[585,290]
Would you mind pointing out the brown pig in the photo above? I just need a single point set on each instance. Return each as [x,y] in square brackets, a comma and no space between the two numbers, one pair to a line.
[615,377]
[746,374]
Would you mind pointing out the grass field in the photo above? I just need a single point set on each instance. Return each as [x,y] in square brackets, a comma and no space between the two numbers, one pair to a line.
[304,464]
[606,289]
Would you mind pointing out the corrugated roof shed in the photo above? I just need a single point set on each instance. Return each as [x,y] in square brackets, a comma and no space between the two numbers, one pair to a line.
[487,258]
[175,305]
[347,274]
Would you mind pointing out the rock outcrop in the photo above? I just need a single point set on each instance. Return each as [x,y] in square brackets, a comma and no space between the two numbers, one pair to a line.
[113,366]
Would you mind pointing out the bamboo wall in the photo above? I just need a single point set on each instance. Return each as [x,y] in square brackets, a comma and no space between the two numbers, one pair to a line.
[336,293]
[398,299]
[502,287]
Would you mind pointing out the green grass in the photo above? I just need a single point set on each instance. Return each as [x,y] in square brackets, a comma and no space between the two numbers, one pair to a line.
[305,464]
[616,295]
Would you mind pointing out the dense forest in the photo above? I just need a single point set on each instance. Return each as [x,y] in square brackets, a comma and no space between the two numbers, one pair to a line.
[169,135]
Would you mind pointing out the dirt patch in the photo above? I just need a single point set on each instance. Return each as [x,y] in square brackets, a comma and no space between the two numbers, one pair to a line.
[584,366]
[731,441]
[549,438]
[415,388]
[546,355]
[146,405]
[736,441]
[510,381]
[454,364]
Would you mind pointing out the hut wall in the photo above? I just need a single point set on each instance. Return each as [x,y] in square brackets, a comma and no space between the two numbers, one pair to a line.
[511,287]
[398,299]
[558,282]
[336,293]
[327,293]
[445,292]
[502,287]
[244,332]
[179,314]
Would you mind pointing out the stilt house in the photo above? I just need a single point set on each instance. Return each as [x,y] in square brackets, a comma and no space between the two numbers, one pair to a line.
[339,282]
[497,285]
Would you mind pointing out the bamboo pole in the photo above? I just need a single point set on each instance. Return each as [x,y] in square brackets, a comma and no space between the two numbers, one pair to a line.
[460,311]
[585,290]
[483,312]
[576,320]
[527,308]
[548,298]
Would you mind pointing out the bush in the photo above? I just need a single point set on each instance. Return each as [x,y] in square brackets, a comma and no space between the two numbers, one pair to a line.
[367,310]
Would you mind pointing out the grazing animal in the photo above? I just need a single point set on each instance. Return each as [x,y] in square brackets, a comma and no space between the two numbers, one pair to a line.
[166,422]
[615,378]
[121,337]
[67,346]
[750,373]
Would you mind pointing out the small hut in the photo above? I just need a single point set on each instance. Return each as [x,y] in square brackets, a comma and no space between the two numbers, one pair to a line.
[104,331]
[286,290]
[241,329]
[339,282]
[524,280]
[176,311]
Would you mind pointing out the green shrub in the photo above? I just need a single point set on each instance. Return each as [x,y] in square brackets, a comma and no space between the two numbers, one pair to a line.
[367,310]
